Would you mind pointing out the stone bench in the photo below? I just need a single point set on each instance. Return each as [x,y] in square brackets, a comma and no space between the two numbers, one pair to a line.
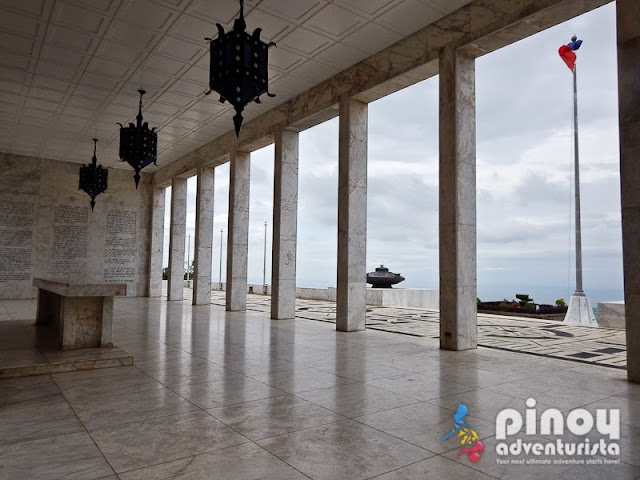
[82,314]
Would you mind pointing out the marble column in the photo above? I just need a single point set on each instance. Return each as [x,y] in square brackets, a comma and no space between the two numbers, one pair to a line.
[204,237]
[238,231]
[628,27]
[458,285]
[156,240]
[285,226]
[352,216]
[177,235]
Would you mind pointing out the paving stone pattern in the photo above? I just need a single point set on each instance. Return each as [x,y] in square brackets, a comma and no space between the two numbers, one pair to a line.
[601,346]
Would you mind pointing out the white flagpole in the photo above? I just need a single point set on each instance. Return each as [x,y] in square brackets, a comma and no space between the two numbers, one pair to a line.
[579,291]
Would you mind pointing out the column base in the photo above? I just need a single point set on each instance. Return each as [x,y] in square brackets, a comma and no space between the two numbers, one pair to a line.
[580,312]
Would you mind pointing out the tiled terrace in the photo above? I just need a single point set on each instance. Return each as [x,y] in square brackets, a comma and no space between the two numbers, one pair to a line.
[236,395]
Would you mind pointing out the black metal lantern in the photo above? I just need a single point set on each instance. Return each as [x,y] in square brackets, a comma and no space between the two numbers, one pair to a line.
[239,66]
[93,177]
[138,143]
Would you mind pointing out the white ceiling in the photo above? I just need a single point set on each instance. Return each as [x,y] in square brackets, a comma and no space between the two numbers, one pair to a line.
[70,69]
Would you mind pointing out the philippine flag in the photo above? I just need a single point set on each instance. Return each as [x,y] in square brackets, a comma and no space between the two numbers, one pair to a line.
[566,52]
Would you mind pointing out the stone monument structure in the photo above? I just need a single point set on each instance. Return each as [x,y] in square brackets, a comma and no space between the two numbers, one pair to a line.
[383,278]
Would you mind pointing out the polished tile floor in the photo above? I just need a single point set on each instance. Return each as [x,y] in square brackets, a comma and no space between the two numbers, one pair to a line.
[217,395]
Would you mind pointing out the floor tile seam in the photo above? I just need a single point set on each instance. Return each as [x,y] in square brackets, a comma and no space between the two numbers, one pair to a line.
[81,429]
[283,460]
[178,393]
[146,420]
[615,395]
[561,408]
[396,437]
[86,429]
[282,392]
[302,429]
[192,457]
[158,385]
[472,466]
[299,391]
[363,380]
[414,402]
[178,385]
[610,393]
[431,404]
[543,379]
[399,468]
[404,394]
[178,367]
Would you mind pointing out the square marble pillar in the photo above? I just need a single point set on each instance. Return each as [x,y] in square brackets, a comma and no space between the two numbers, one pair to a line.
[352,216]
[628,27]
[238,231]
[458,285]
[285,225]
[177,236]
[204,237]
[156,240]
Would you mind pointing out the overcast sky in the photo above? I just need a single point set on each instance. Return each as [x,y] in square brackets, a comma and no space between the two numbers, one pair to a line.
[524,177]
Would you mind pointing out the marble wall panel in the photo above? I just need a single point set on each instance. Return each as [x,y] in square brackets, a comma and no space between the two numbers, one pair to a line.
[61,237]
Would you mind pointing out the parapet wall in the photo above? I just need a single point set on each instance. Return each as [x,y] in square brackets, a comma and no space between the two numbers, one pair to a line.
[611,315]
[379,297]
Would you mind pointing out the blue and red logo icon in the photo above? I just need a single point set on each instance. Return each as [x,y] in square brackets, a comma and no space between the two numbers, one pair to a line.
[471,444]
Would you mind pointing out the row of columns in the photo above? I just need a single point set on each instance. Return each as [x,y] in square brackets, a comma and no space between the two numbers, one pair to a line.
[457,217]
[457,208]
[285,207]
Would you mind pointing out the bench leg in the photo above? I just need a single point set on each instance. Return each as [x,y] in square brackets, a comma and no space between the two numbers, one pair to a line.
[67,323]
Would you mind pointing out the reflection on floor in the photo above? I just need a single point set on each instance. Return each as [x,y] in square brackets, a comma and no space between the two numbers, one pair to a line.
[601,346]
[218,395]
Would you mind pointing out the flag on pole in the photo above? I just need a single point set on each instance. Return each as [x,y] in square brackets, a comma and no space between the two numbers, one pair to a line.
[566,52]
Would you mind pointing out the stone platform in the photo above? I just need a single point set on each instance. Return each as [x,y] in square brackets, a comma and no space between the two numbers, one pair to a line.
[29,350]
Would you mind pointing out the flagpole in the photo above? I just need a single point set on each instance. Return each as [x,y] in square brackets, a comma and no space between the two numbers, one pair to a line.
[579,292]
[580,311]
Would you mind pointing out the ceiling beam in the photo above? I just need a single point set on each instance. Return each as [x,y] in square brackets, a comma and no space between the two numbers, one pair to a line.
[480,27]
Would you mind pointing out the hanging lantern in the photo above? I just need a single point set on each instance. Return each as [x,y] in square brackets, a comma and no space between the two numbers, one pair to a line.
[138,144]
[239,66]
[93,177]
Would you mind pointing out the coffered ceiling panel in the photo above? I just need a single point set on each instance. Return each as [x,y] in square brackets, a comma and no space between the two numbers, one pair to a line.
[70,69]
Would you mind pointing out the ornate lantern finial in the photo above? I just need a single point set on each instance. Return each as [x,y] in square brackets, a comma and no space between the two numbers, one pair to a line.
[239,66]
[93,177]
[138,143]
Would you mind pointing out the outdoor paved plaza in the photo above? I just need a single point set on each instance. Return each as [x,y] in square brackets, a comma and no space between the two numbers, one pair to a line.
[601,346]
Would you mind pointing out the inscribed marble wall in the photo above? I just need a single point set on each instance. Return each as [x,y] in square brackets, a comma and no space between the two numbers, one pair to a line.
[48,230]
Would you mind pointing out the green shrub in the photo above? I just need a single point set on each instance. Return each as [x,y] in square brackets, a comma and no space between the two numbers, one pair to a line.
[525,300]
